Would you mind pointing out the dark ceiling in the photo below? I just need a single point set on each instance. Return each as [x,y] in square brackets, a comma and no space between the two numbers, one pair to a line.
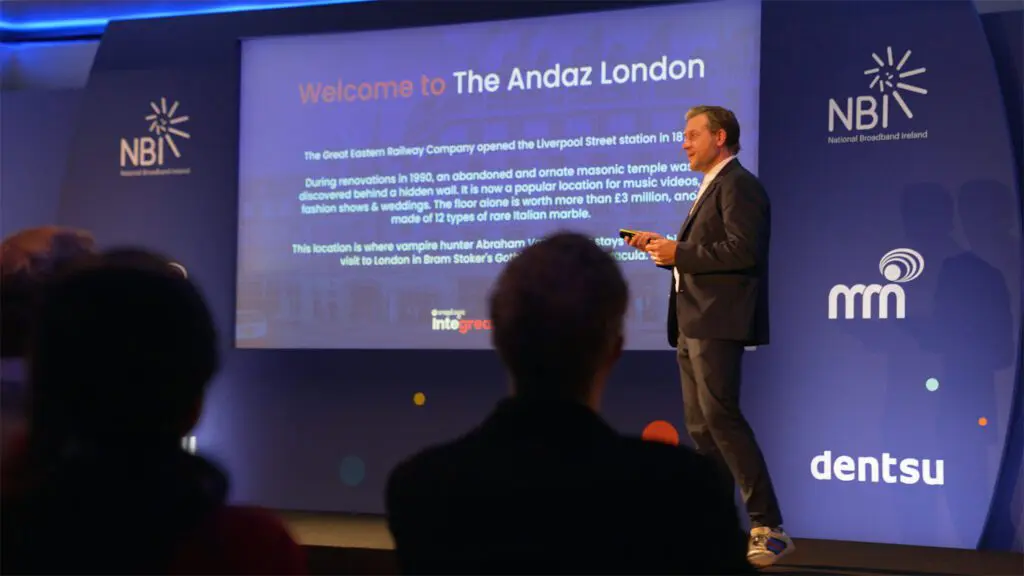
[25,20]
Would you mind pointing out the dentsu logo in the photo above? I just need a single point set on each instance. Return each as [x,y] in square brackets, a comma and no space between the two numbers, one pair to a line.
[898,266]
[889,470]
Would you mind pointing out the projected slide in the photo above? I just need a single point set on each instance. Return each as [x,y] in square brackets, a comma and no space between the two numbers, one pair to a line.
[386,177]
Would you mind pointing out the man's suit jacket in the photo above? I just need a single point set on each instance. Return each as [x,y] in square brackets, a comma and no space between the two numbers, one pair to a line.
[722,258]
[549,488]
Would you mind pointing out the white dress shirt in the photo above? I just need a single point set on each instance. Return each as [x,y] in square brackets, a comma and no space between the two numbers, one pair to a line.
[704,185]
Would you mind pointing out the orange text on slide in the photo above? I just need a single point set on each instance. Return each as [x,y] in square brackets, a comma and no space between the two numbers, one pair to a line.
[343,92]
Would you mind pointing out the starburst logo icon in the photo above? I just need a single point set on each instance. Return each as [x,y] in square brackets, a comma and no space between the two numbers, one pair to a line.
[164,124]
[889,76]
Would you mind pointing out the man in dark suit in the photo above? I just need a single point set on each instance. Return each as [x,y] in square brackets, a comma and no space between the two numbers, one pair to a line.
[718,304]
[544,484]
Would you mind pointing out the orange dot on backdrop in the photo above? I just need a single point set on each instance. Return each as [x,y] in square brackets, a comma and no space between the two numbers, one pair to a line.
[661,431]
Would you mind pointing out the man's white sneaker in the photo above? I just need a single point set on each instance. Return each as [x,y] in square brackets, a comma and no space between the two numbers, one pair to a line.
[767,545]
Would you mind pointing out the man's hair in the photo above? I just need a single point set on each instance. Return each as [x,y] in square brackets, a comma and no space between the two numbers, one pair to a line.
[556,312]
[720,119]
[29,258]
[123,347]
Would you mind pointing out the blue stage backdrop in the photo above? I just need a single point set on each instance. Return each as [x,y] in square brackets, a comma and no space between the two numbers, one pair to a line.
[884,400]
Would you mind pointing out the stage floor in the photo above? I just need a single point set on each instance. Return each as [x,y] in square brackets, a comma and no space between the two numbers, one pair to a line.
[349,544]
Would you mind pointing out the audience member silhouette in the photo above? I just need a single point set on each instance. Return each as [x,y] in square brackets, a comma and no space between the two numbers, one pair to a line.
[28,258]
[544,484]
[121,352]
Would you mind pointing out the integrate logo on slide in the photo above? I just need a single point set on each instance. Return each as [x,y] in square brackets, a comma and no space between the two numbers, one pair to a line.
[867,117]
[453,320]
[147,155]
[898,266]
[888,470]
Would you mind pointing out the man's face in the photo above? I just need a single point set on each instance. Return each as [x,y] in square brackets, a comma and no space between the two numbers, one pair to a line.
[701,145]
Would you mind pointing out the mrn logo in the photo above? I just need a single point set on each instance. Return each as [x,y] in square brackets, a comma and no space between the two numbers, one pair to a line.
[887,89]
[146,155]
[898,266]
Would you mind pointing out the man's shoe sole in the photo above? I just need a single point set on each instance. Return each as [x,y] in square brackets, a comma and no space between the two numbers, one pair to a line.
[766,561]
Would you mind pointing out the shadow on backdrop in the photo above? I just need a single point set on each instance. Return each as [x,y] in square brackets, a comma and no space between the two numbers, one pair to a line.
[972,332]
[958,335]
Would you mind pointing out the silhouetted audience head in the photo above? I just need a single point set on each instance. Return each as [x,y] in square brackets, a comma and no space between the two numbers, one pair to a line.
[28,258]
[123,350]
[140,258]
[557,314]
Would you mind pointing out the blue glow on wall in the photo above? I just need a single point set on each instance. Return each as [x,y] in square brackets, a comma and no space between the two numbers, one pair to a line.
[101,14]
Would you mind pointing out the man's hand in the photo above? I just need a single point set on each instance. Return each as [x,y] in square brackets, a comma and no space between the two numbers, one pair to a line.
[662,251]
[642,239]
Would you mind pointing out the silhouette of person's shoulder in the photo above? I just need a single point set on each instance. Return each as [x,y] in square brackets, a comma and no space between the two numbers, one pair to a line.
[240,540]
[678,458]
[676,476]
[624,461]
[583,491]
[435,460]
[619,455]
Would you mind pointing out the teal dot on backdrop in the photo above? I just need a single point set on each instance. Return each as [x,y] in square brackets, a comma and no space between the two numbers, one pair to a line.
[932,384]
[353,470]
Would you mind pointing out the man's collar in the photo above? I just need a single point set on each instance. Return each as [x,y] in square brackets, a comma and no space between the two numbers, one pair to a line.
[718,168]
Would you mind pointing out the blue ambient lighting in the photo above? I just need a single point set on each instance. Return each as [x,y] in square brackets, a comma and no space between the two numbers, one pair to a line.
[165,11]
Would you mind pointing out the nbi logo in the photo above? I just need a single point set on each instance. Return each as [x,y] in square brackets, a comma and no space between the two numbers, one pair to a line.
[145,155]
[889,82]
[898,267]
